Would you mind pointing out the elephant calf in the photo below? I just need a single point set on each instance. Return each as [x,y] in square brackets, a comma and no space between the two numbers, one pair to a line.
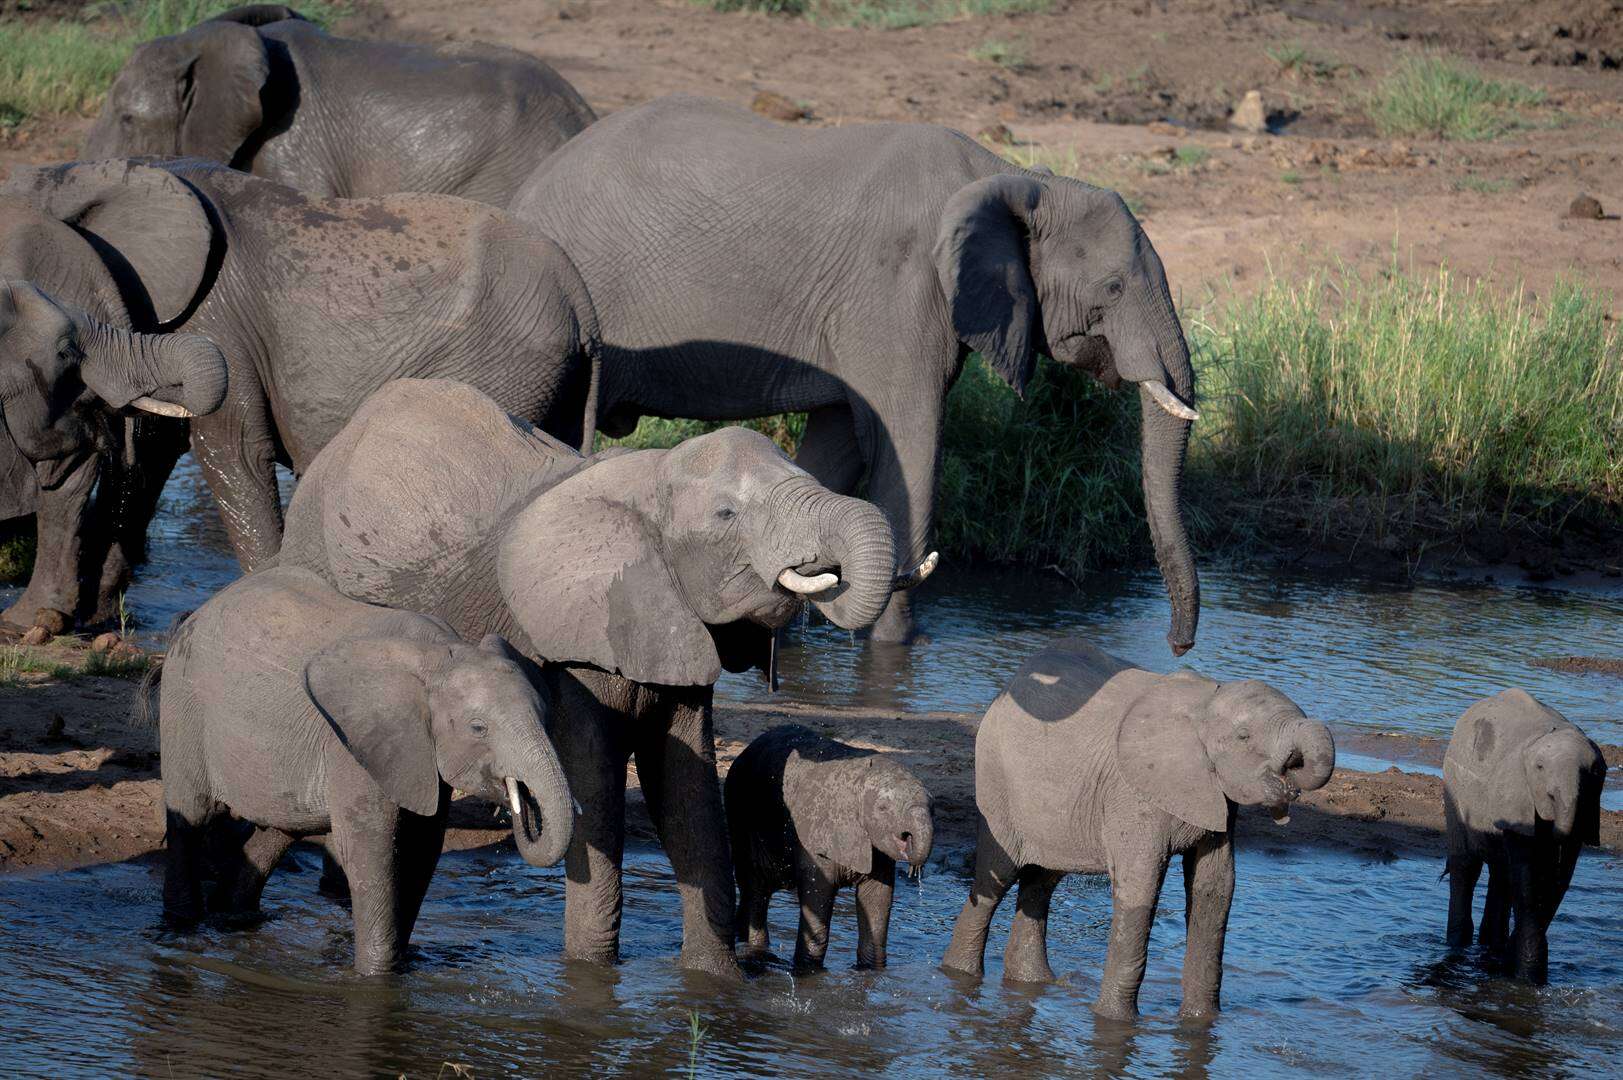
[1521,793]
[304,712]
[1087,764]
[812,814]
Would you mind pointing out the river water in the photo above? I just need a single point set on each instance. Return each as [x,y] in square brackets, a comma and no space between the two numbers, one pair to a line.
[1335,962]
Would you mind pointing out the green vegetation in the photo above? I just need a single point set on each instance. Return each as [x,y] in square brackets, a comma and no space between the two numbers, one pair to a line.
[883,14]
[1484,185]
[16,551]
[1290,177]
[697,1034]
[1296,59]
[65,66]
[17,661]
[1012,55]
[1184,157]
[1436,97]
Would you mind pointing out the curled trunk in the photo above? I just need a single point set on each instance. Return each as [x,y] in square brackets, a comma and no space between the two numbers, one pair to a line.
[1309,741]
[855,536]
[184,369]
[545,794]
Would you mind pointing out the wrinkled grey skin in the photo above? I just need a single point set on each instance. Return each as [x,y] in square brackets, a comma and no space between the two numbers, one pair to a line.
[1521,794]
[1087,764]
[811,814]
[633,577]
[335,117]
[742,268]
[314,303]
[306,713]
[60,372]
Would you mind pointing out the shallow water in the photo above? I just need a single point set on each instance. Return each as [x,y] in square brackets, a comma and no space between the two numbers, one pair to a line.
[1335,962]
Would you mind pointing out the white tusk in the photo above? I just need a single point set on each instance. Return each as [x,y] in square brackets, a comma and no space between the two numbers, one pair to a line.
[1169,401]
[162,408]
[802,585]
[513,799]
[917,575]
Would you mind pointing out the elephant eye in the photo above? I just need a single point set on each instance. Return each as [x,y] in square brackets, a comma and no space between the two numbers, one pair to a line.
[478,727]
[1113,289]
[726,513]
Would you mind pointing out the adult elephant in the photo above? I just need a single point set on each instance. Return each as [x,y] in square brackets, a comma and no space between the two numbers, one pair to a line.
[634,578]
[314,302]
[264,90]
[742,268]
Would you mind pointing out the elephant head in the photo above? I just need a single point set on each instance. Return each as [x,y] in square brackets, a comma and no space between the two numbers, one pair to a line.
[897,815]
[55,361]
[1515,762]
[416,714]
[1190,746]
[193,94]
[846,805]
[1033,263]
[631,562]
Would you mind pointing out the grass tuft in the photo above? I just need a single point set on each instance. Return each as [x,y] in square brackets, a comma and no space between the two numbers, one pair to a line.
[1431,96]
[1297,59]
[1010,55]
[883,14]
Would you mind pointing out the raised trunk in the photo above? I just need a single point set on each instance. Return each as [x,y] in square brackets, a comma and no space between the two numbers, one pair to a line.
[1164,445]
[545,792]
[184,369]
[1311,741]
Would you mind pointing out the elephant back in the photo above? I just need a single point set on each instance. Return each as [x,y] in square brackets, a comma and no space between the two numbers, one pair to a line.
[395,509]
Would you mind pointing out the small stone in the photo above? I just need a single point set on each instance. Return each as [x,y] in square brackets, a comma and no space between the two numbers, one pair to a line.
[777,107]
[996,133]
[52,620]
[105,642]
[1249,115]
[37,635]
[1586,208]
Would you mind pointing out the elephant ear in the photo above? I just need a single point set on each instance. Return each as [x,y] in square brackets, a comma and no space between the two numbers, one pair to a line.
[825,805]
[584,576]
[1160,752]
[371,691]
[147,224]
[981,255]
[19,487]
[220,88]
[1586,825]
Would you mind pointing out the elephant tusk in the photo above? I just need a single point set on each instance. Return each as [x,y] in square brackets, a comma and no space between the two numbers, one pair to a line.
[513,800]
[801,585]
[1169,401]
[916,576]
[162,408]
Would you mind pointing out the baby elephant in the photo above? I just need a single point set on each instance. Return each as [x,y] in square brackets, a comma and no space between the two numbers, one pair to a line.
[303,712]
[812,814]
[1521,792]
[1087,764]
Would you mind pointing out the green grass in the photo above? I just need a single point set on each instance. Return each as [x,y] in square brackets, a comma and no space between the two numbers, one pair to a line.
[16,551]
[1011,55]
[1296,59]
[1431,96]
[1290,177]
[65,66]
[883,14]
[17,661]
[1484,185]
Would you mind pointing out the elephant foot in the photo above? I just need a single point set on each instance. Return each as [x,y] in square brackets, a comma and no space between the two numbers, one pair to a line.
[1113,1008]
[963,963]
[1203,1012]
[1031,971]
[721,963]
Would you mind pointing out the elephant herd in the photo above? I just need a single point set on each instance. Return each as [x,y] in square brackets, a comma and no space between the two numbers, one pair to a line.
[424,279]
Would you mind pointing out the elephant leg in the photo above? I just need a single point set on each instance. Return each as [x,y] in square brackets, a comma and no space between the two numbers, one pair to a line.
[829,449]
[183,868]
[875,894]
[1025,957]
[816,893]
[62,519]
[131,490]
[1532,948]
[1463,872]
[419,845]
[677,766]
[263,850]
[1135,886]
[236,449]
[1495,932]
[994,873]
[587,735]
[366,850]
[754,899]
[1208,886]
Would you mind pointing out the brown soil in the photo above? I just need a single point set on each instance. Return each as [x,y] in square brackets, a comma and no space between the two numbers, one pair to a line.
[1582,665]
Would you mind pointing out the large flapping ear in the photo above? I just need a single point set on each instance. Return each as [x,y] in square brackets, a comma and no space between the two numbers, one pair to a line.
[371,691]
[19,487]
[220,89]
[583,574]
[144,221]
[982,258]
[1159,750]
[825,805]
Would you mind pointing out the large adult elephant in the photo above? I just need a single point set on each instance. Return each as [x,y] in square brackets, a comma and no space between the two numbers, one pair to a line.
[262,89]
[742,268]
[633,577]
[314,302]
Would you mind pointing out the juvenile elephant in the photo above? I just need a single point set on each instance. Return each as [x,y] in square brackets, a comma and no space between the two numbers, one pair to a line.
[1087,764]
[306,713]
[742,268]
[811,814]
[634,577]
[261,89]
[1521,793]
[314,304]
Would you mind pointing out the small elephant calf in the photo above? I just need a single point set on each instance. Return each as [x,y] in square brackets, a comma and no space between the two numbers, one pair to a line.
[812,814]
[1521,793]
[1087,764]
[307,713]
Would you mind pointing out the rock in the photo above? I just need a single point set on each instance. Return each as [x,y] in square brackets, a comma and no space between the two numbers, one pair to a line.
[37,635]
[996,133]
[777,107]
[105,642]
[52,620]
[1586,208]
[1249,115]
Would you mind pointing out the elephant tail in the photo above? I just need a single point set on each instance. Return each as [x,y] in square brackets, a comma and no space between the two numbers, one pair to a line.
[144,710]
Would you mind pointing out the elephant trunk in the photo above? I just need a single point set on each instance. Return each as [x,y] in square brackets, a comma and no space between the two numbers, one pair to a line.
[853,538]
[150,371]
[920,837]
[1164,446]
[541,805]
[1308,742]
